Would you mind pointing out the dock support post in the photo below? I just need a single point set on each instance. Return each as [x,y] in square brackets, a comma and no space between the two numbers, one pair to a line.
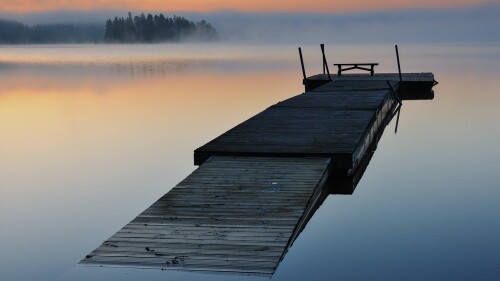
[397,119]
[325,63]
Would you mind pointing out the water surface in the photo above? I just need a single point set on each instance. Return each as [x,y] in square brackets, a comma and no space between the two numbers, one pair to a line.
[91,135]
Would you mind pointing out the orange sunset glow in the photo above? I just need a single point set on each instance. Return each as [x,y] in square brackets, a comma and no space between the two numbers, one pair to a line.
[27,6]
[249,140]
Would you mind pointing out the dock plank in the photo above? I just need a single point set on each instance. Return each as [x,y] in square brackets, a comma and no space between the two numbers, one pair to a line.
[341,100]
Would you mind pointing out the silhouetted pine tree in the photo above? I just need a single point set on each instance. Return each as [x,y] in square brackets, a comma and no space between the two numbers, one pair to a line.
[130,31]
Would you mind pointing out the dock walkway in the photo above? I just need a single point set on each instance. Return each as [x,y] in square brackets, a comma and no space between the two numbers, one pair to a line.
[232,214]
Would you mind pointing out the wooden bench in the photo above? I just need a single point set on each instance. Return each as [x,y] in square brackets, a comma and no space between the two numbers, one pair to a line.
[350,66]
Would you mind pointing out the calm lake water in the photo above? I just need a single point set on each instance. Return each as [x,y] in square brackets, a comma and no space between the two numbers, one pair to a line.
[91,135]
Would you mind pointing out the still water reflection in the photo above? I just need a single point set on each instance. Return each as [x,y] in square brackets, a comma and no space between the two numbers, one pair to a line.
[92,135]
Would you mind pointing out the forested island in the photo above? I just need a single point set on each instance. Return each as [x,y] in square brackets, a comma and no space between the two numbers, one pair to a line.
[131,29]
[157,28]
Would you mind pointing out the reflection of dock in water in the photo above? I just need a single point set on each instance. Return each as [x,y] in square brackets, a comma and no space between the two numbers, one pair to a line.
[259,183]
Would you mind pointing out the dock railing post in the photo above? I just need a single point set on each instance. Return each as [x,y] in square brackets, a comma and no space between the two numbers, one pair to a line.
[325,63]
[323,52]
[399,70]
[304,81]
[400,90]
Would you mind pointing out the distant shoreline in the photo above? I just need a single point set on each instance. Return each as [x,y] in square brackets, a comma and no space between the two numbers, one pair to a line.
[145,29]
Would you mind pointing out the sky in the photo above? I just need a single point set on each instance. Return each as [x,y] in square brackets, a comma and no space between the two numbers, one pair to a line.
[291,21]
[322,6]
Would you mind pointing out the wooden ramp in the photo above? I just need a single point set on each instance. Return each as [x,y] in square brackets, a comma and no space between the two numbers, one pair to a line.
[232,214]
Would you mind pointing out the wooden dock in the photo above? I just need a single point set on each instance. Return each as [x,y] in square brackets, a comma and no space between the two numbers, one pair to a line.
[259,183]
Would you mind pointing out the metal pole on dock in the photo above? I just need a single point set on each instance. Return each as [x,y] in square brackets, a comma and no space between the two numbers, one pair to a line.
[302,64]
[325,63]
[304,81]
[323,52]
[399,70]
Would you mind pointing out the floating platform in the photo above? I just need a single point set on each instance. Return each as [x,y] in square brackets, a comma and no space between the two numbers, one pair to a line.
[259,183]
[417,86]
[338,120]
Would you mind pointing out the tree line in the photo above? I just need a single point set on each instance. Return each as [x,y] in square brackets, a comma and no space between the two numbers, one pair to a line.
[142,28]
[13,32]
[156,28]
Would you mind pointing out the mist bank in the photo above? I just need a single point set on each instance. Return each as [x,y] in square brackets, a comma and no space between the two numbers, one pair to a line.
[476,24]
[471,25]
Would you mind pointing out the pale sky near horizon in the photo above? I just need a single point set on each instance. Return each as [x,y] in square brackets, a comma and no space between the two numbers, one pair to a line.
[29,6]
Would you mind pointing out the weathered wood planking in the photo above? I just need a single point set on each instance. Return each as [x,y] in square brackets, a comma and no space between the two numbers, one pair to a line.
[339,100]
[232,214]
[338,120]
